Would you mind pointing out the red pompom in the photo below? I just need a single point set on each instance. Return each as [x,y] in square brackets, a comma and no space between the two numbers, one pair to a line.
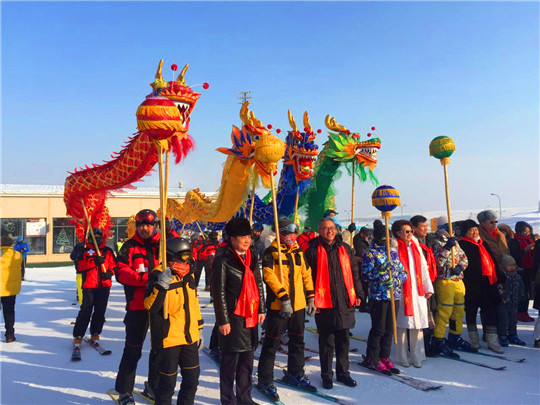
[373,128]
[269,126]
[278,130]
[306,129]
[205,86]
[174,67]
[369,134]
[319,131]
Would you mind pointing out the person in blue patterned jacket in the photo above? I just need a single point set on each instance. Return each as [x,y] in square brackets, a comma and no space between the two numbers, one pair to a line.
[376,271]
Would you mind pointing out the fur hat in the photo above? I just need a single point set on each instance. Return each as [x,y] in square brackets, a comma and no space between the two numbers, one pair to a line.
[238,227]
[466,225]
[486,215]
[442,221]
[507,260]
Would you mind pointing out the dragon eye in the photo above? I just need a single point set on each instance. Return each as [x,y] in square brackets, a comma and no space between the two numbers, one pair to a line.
[255,138]
[297,142]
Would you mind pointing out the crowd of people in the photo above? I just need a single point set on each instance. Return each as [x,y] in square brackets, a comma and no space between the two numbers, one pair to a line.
[416,283]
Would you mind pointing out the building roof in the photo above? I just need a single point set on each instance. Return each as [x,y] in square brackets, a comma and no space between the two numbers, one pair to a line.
[54,190]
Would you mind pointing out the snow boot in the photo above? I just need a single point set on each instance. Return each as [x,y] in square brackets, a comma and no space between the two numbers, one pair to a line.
[380,367]
[94,338]
[493,343]
[149,391]
[474,339]
[10,338]
[440,346]
[77,341]
[126,399]
[524,317]
[504,342]
[390,366]
[299,381]
[516,341]
[269,389]
[537,343]
[458,343]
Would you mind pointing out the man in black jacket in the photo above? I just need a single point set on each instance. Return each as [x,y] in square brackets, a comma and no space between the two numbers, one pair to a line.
[337,291]
[237,291]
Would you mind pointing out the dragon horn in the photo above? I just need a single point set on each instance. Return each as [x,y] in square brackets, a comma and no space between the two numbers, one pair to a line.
[306,123]
[244,113]
[255,121]
[181,80]
[292,122]
[332,125]
[159,75]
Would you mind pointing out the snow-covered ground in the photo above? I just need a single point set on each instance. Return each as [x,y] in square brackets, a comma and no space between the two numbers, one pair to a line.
[36,369]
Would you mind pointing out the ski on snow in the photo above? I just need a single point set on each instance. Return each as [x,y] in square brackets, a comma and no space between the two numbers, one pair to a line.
[141,395]
[76,354]
[95,345]
[114,395]
[418,383]
[475,363]
[319,394]
[497,356]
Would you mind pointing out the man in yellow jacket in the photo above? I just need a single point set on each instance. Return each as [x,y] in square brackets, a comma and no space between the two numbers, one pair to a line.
[288,294]
[175,331]
[10,283]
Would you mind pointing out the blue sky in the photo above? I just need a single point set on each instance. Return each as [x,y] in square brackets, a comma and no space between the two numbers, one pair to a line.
[74,73]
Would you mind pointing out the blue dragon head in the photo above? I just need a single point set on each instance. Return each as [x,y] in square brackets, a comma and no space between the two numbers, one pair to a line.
[301,149]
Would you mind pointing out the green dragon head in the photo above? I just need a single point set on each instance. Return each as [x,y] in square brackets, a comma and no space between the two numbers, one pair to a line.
[344,146]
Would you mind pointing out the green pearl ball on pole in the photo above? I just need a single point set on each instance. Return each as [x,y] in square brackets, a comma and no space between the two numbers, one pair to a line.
[442,147]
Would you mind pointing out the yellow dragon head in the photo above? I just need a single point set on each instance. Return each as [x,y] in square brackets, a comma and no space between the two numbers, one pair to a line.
[256,145]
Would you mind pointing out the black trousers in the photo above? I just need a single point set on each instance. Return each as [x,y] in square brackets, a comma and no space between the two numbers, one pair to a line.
[94,304]
[507,324]
[379,342]
[488,313]
[167,362]
[136,327]
[275,326]
[214,338]
[23,267]
[198,272]
[330,341]
[235,366]
[8,308]
[527,275]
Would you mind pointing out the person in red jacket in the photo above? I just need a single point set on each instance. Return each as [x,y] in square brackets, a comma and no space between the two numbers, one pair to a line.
[304,238]
[97,272]
[137,258]
[205,255]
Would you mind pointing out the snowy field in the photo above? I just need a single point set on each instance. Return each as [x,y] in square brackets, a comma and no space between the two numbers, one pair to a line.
[36,369]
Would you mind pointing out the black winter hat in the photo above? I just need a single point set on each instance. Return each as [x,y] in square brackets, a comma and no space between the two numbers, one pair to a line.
[466,225]
[178,249]
[379,230]
[238,227]
[286,226]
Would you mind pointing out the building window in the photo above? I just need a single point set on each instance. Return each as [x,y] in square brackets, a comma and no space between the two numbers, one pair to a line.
[32,230]
[64,237]
[118,230]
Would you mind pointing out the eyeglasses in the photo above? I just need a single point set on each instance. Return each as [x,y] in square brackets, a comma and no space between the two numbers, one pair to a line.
[145,217]
[331,228]
[407,231]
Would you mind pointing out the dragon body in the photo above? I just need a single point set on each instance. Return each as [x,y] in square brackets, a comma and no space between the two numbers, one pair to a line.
[341,149]
[163,123]
[254,152]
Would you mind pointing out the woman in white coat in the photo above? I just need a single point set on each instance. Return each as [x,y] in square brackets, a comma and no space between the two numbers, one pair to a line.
[413,312]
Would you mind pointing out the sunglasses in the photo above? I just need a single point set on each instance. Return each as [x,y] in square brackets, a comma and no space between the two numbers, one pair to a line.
[145,218]
[493,222]
[407,231]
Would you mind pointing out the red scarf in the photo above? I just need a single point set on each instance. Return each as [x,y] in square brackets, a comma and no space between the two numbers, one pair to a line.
[407,287]
[488,267]
[248,301]
[494,234]
[527,259]
[431,262]
[323,296]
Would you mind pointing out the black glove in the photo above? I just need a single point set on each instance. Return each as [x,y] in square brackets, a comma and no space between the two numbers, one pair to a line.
[99,260]
[107,275]
[451,243]
[352,227]
[456,271]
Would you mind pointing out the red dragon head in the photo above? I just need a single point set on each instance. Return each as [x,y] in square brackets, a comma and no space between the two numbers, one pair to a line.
[301,150]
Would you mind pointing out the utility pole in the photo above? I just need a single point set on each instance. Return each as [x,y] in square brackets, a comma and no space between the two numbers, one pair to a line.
[244,96]
[500,206]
